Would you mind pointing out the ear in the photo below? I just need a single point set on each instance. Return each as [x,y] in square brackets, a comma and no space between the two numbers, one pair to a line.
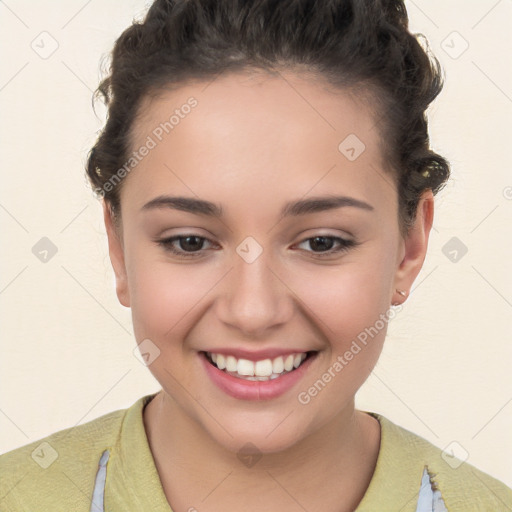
[116,253]
[414,247]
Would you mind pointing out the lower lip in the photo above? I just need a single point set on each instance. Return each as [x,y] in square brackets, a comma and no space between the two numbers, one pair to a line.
[255,390]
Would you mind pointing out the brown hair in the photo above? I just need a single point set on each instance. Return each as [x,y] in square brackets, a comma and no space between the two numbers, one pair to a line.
[362,45]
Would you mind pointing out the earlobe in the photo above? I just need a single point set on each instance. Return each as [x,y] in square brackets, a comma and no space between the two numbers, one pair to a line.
[116,253]
[415,247]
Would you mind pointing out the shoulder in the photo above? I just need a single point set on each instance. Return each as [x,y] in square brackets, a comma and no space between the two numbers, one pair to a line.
[67,460]
[461,485]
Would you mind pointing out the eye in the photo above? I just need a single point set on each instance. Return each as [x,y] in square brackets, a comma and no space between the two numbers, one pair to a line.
[186,246]
[190,245]
[323,245]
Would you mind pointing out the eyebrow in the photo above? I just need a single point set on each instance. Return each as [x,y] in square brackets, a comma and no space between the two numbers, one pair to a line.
[293,208]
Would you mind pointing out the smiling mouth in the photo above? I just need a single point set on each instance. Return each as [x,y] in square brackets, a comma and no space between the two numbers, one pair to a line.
[263,370]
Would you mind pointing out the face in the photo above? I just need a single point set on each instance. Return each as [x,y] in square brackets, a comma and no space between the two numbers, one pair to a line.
[285,241]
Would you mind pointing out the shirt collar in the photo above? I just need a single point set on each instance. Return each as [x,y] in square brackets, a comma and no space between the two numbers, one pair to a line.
[133,482]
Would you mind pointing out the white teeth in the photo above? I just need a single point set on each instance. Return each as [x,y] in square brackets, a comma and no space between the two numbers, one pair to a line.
[231,364]
[245,367]
[278,365]
[219,360]
[253,377]
[288,363]
[263,368]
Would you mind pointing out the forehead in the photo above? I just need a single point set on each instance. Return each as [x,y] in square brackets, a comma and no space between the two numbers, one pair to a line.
[284,133]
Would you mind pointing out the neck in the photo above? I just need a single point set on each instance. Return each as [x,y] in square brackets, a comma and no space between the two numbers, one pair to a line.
[337,462]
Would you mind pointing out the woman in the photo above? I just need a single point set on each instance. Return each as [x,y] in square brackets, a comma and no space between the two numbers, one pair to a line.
[268,194]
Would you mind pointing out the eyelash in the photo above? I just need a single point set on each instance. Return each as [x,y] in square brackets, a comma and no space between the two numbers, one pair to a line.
[345,245]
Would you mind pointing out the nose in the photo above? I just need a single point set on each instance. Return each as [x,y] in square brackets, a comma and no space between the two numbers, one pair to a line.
[253,298]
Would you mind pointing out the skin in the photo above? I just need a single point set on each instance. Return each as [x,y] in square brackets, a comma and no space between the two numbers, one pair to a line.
[252,144]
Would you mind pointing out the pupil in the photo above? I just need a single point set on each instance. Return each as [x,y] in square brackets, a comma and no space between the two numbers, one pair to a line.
[187,246]
[322,242]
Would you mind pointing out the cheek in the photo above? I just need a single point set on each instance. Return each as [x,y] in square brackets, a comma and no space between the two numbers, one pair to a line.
[354,325]
[344,300]
[350,305]
[165,297]
[166,300]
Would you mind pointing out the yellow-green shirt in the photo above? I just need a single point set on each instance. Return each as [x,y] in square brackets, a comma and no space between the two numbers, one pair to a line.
[61,472]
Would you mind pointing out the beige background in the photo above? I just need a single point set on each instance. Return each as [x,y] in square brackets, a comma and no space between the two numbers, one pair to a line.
[66,342]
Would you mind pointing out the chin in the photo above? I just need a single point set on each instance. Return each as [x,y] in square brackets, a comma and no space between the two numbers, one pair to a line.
[262,432]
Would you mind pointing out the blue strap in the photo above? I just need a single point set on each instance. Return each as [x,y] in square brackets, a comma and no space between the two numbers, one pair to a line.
[428,499]
[98,494]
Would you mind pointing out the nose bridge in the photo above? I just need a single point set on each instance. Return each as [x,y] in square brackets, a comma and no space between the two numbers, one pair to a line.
[253,298]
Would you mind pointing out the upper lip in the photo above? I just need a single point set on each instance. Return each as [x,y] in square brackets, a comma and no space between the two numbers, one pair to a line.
[257,355]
